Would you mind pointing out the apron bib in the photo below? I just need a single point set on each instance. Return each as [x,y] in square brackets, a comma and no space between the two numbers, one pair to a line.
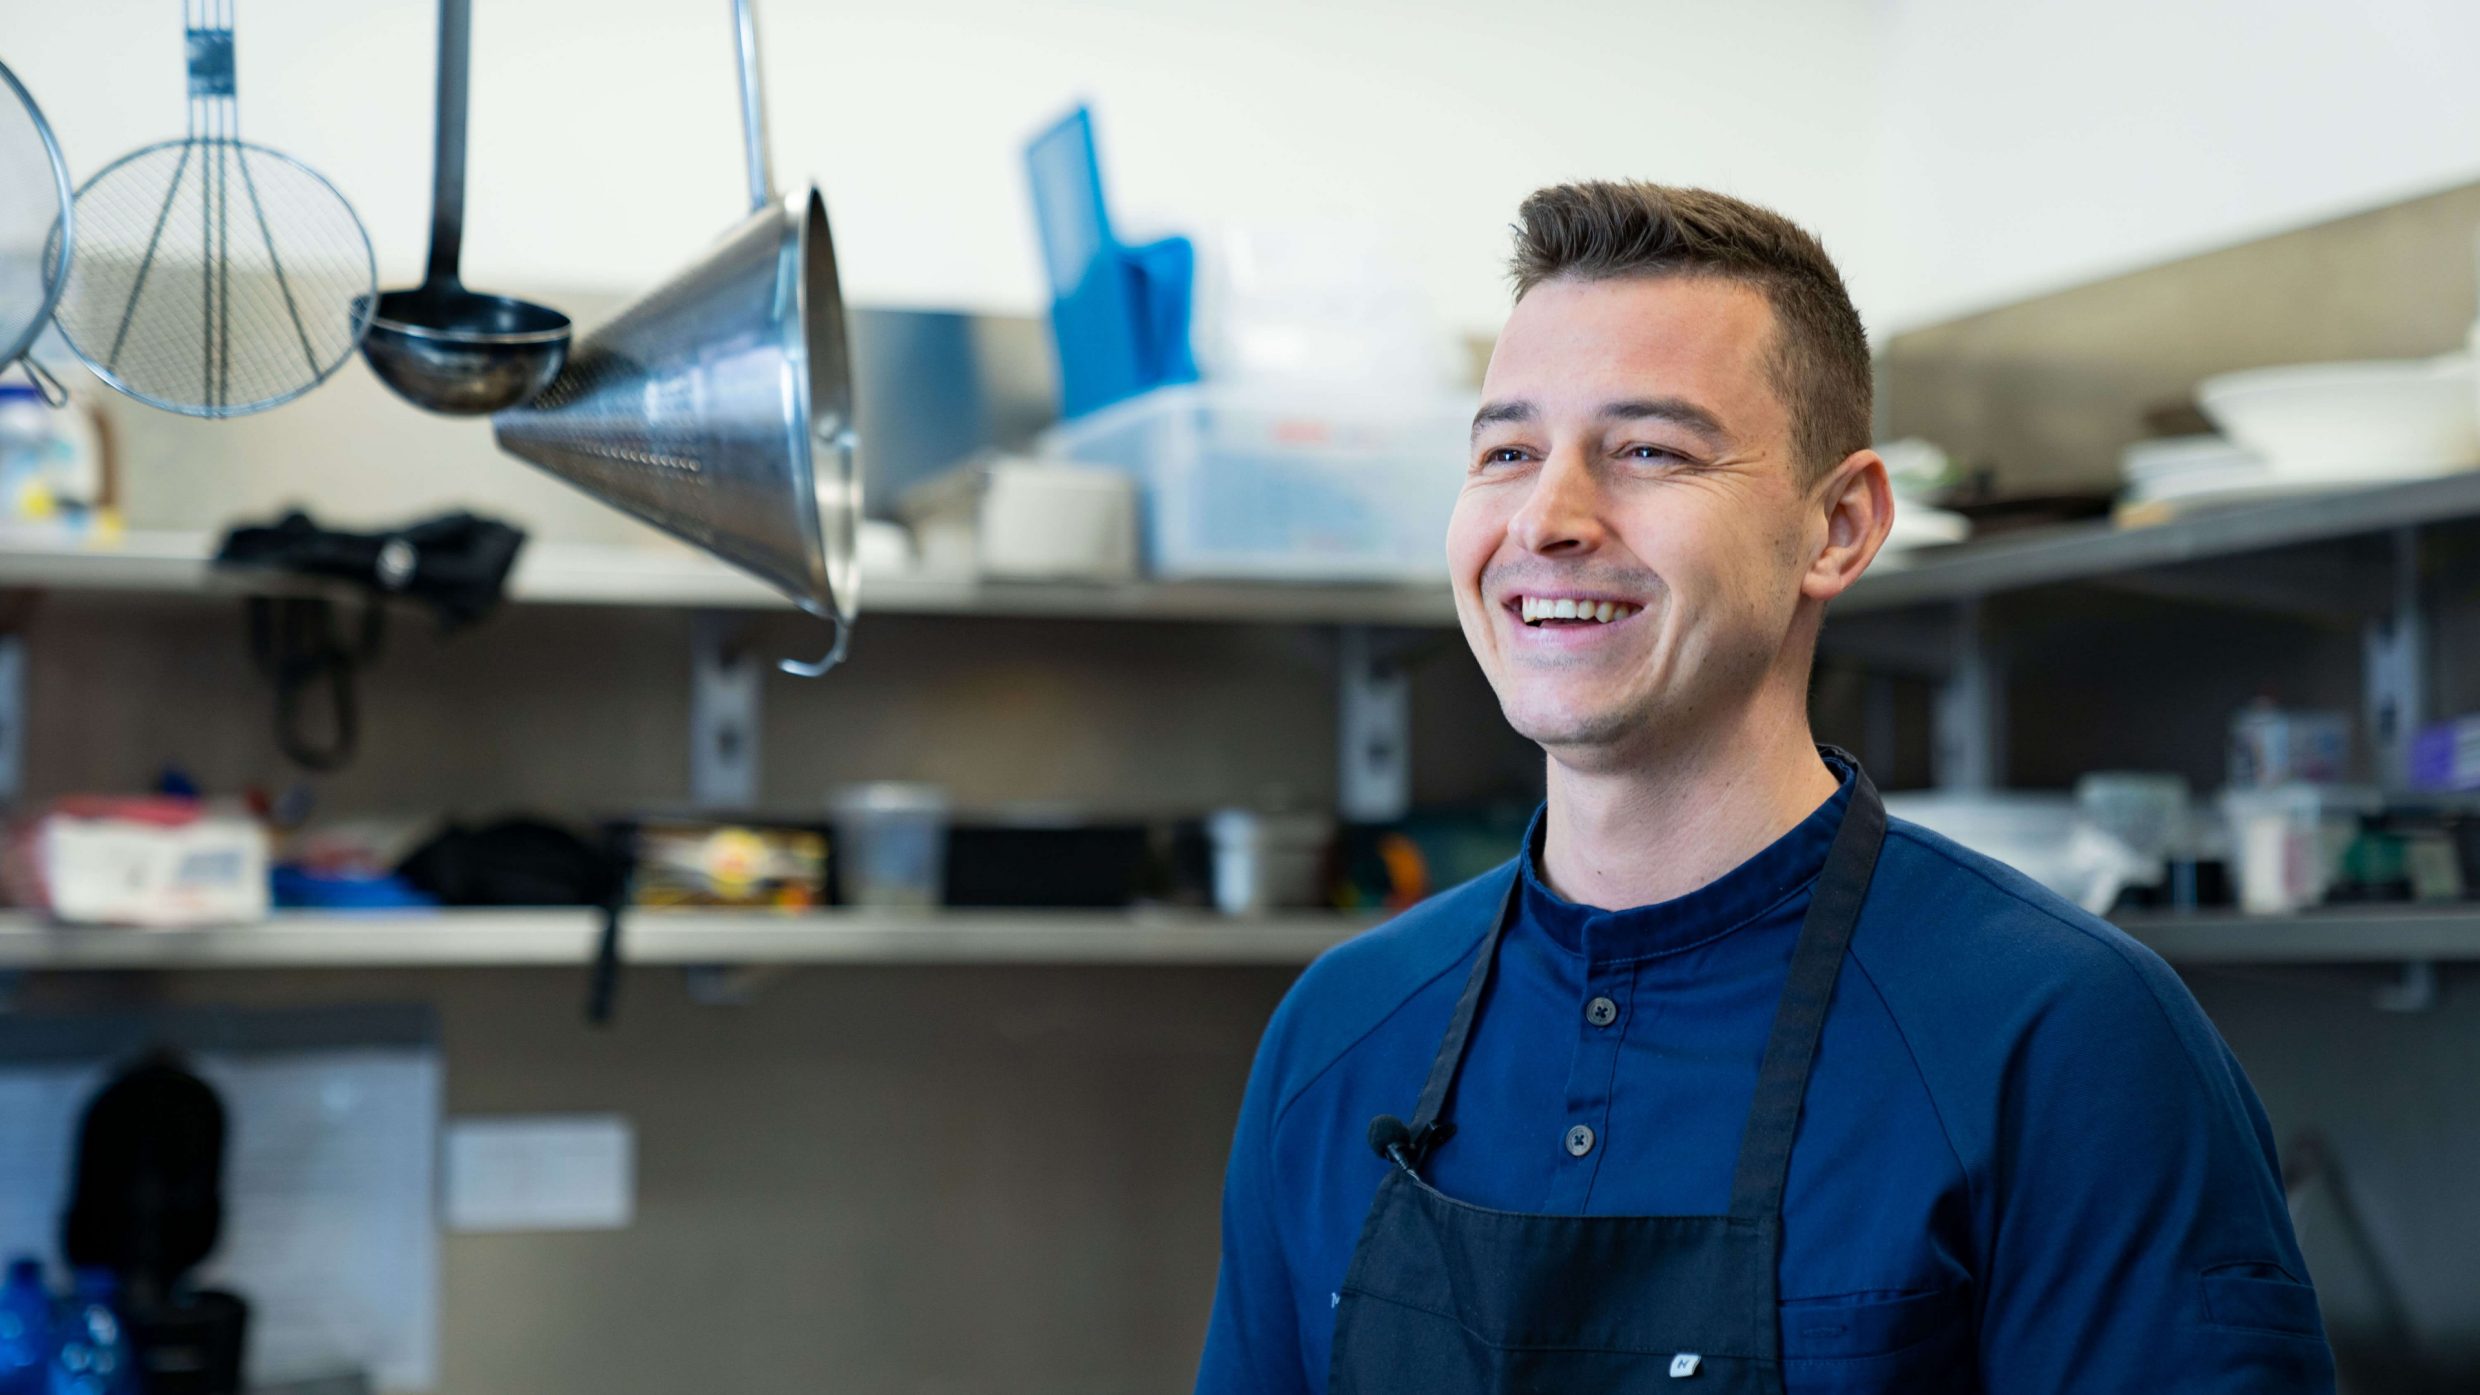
[1445,1298]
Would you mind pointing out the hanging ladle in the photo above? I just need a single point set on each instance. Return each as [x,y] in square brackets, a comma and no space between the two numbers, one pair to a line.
[440,346]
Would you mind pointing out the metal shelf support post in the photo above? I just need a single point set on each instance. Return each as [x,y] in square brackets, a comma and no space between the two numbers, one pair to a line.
[2396,650]
[12,718]
[1373,727]
[1970,713]
[724,675]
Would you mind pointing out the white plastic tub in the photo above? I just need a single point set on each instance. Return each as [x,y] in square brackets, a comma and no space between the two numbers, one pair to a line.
[1260,485]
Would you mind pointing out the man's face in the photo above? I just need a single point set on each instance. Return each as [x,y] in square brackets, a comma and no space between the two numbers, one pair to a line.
[1632,459]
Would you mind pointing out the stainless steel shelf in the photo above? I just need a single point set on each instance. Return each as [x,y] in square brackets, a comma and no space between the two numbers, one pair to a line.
[2079,551]
[2333,935]
[519,938]
[576,574]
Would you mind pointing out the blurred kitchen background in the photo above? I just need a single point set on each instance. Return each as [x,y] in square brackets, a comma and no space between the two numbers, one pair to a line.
[532,987]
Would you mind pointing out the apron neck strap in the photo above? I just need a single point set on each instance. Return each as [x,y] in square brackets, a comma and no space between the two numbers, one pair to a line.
[1427,1131]
[1817,961]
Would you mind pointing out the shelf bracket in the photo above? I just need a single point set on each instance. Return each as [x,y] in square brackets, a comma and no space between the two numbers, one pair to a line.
[1373,727]
[730,985]
[724,675]
[1970,712]
[12,717]
[2395,666]
[2415,990]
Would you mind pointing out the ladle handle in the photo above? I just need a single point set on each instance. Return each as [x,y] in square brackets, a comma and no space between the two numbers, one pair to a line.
[753,106]
[448,159]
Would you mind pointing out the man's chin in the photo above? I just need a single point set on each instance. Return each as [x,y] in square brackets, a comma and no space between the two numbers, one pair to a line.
[1583,738]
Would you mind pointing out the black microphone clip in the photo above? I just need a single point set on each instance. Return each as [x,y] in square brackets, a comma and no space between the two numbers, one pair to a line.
[1390,1138]
[1394,1141]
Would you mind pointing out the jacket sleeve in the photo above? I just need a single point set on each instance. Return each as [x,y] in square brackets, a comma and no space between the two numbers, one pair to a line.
[2141,1240]
[1253,1339]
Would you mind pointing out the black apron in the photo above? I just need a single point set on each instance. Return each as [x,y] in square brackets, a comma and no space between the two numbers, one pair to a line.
[1443,1298]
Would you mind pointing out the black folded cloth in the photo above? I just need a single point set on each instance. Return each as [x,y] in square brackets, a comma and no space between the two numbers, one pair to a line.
[457,563]
[518,862]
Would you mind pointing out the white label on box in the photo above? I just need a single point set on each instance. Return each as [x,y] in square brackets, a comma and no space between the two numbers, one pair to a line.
[539,1172]
[121,872]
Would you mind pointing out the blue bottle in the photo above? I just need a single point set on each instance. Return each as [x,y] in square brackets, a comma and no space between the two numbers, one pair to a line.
[93,1356]
[25,1329]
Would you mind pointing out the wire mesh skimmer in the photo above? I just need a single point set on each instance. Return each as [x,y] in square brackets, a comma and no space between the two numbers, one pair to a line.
[215,277]
[35,234]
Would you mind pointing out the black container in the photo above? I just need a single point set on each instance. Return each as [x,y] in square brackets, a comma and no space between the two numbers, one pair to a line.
[190,1345]
[1055,865]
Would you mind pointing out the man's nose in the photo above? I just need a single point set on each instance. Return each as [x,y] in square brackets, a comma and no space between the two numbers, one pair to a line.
[1563,513]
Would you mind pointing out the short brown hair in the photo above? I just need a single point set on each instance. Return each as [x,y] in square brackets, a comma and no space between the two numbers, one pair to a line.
[1603,230]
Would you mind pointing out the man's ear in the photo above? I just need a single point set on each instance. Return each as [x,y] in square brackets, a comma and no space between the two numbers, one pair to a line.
[1858,504]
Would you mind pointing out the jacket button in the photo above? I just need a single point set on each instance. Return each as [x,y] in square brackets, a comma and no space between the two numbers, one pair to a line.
[1601,1012]
[1579,1141]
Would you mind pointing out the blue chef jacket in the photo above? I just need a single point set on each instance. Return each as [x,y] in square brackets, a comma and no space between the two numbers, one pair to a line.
[2026,1164]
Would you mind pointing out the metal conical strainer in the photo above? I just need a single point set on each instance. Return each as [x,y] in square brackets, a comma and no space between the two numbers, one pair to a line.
[719,406]
[35,233]
[215,277]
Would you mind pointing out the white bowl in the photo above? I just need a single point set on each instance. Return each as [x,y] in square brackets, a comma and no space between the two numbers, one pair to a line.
[2375,420]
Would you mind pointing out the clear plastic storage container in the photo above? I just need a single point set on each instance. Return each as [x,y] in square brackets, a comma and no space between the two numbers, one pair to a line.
[1266,486]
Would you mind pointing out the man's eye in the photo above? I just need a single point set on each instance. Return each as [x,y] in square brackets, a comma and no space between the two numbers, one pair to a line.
[1502,455]
[1652,453]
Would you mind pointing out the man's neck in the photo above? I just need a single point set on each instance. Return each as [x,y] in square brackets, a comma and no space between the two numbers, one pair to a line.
[1661,828]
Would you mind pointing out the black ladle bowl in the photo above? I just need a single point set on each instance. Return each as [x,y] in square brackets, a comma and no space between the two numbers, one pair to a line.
[448,349]
[442,347]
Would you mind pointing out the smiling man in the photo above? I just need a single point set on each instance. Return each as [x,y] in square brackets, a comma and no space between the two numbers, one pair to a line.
[1726,1082]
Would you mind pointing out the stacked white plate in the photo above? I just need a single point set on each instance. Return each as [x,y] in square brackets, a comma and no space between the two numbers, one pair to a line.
[2195,469]
[1922,525]
[1916,467]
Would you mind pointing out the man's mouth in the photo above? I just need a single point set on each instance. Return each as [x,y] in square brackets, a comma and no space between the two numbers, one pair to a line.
[1558,611]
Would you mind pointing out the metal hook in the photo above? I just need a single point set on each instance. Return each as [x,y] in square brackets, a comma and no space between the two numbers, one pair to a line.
[53,393]
[843,641]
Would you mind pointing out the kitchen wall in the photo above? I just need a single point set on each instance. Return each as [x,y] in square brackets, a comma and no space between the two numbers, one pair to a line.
[1954,154]
[2038,143]
[606,145]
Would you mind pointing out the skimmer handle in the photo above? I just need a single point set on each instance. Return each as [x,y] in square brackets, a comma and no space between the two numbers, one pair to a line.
[753,106]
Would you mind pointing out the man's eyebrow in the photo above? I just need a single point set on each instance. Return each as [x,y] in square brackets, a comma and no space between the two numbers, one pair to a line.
[1677,410]
[1494,413]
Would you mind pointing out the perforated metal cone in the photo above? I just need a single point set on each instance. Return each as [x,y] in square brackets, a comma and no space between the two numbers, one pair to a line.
[719,409]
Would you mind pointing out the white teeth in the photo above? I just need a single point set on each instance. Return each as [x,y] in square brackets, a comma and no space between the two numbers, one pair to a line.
[1534,609]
